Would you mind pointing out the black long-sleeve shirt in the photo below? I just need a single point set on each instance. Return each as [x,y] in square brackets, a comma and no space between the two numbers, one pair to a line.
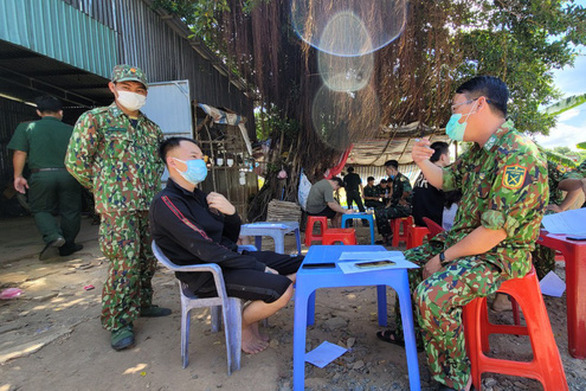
[189,233]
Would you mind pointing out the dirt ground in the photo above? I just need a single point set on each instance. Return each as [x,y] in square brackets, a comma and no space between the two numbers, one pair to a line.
[51,338]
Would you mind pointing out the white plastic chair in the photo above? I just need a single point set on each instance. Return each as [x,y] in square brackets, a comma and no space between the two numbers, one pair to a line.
[231,308]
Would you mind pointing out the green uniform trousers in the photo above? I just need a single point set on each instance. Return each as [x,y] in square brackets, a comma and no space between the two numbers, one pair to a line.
[125,240]
[438,303]
[52,191]
[384,216]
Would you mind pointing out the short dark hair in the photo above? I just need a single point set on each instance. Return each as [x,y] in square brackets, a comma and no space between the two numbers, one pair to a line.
[383,180]
[392,163]
[48,104]
[370,178]
[350,169]
[492,88]
[170,144]
[440,148]
[338,181]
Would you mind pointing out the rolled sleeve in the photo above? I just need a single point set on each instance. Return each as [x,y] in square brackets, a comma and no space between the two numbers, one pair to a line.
[494,219]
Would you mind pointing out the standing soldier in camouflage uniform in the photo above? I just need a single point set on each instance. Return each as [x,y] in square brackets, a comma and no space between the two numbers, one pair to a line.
[503,178]
[400,205]
[113,152]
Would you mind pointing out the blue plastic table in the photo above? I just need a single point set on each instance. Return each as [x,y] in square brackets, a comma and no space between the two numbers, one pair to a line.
[308,280]
[362,215]
[276,230]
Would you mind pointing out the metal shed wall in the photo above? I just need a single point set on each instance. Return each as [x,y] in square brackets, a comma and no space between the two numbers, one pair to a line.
[163,51]
[54,29]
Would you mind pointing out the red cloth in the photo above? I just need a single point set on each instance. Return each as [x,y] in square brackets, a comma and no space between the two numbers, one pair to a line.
[333,171]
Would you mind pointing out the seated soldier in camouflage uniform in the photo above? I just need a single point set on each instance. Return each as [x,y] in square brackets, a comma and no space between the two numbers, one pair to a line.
[503,178]
[399,204]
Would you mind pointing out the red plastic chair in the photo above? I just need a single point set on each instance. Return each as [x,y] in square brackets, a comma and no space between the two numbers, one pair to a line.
[546,365]
[311,220]
[344,235]
[415,236]
[398,235]
[434,228]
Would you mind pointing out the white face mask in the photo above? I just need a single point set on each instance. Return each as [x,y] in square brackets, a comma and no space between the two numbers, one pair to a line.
[131,100]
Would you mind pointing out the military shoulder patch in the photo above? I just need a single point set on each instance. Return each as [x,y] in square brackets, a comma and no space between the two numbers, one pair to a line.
[514,176]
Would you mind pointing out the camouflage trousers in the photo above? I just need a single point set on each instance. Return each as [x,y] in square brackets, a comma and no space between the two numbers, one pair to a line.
[543,260]
[384,216]
[438,301]
[125,240]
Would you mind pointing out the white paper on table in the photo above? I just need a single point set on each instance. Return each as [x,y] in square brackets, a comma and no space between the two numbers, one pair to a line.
[350,266]
[568,222]
[371,255]
[552,285]
[324,354]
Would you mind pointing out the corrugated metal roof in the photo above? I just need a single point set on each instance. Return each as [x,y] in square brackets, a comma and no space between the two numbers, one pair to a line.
[59,31]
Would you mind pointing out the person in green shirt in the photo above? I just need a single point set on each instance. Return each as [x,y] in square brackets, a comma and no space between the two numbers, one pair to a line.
[371,194]
[42,144]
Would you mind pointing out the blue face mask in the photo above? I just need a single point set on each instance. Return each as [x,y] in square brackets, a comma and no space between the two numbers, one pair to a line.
[392,177]
[196,171]
[454,129]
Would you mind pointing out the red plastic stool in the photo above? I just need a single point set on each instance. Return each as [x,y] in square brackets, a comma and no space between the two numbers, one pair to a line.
[546,365]
[344,235]
[415,235]
[396,227]
[311,220]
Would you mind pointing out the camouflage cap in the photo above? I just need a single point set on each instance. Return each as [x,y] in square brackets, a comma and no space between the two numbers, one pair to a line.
[125,72]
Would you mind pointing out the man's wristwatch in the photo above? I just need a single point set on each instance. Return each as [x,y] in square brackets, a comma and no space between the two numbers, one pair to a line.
[442,257]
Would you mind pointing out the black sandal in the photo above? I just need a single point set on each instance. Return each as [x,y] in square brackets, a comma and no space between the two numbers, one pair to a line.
[389,336]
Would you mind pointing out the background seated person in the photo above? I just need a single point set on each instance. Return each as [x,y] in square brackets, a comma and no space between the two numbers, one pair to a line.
[384,192]
[428,201]
[320,201]
[192,227]
[371,194]
[400,201]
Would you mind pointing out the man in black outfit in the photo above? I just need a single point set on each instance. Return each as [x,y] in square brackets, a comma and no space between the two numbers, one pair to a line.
[427,200]
[192,227]
[353,186]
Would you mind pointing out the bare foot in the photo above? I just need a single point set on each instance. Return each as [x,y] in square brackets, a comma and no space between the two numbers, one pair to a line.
[501,303]
[257,332]
[252,344]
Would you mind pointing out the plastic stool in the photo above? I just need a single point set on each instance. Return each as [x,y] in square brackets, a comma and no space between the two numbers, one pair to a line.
[546,365]
[415,236]
[344,235]
[311,220]
[396,226]
[364,216]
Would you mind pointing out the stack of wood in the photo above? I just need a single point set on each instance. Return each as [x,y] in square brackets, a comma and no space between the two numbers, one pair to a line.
[283,211]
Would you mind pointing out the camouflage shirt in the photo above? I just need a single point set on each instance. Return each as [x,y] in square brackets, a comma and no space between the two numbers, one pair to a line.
[555,174]
[504,186]
[576,173]
[117,161]
[400,185]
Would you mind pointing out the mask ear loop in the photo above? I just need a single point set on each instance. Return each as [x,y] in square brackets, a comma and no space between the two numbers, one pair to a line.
[471,110]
